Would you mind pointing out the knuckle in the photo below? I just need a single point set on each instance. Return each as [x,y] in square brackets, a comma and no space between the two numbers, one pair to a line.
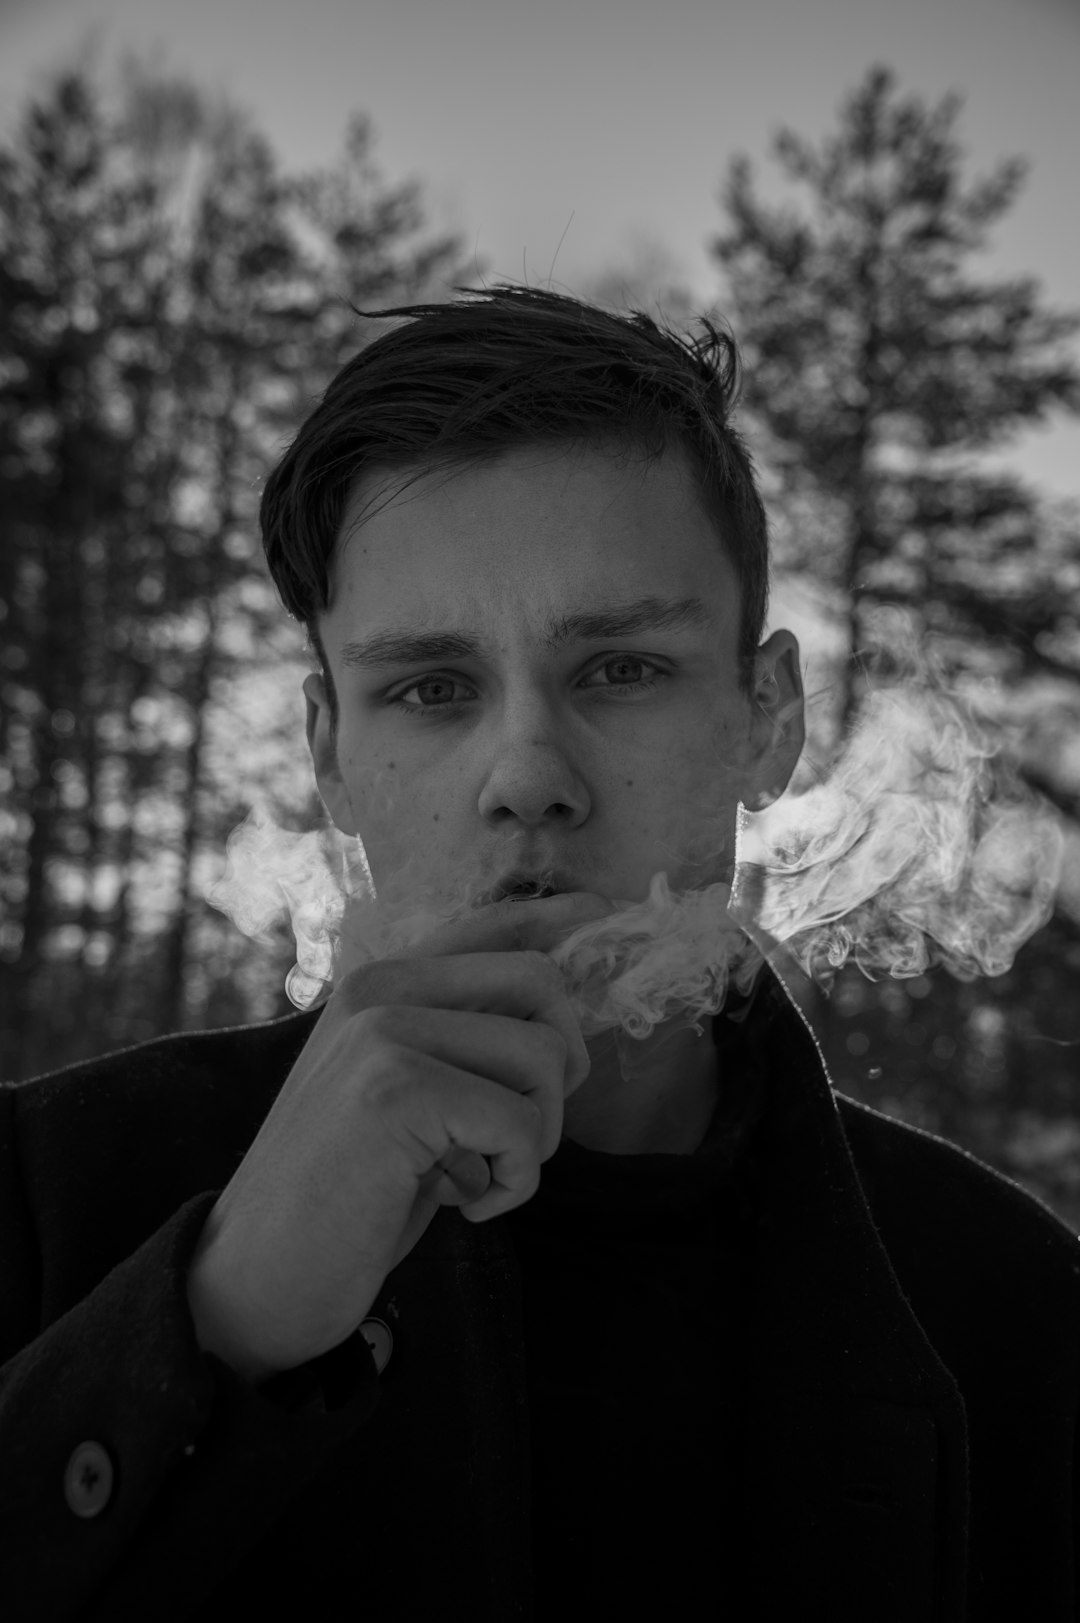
[535,1120]
[381,1022]
[552,1040]
[386,1056]
[390,1081]
[366,985]
[539,966]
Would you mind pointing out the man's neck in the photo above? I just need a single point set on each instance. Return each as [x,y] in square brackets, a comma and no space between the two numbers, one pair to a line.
[657,1097]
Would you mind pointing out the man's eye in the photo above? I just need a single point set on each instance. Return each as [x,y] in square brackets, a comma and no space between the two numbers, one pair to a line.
[429,682]
[634,661]
[625,668]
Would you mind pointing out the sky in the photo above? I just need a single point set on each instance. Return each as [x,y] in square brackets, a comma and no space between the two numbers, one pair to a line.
[560,139]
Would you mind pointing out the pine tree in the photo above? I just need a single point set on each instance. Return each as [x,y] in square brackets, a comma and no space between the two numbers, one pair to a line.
[880,370]
[170,303]
[881,374]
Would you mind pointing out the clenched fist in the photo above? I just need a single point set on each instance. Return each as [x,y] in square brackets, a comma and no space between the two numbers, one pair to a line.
[432,1079]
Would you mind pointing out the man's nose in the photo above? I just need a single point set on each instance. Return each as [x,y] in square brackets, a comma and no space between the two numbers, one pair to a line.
[532,779]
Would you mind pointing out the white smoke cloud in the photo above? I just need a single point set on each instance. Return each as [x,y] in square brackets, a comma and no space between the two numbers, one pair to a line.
[921,848]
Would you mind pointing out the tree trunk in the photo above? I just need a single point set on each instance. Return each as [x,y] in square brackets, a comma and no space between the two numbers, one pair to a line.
[171,1001]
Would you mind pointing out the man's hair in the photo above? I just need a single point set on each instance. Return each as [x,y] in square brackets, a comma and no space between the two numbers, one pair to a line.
[462,382]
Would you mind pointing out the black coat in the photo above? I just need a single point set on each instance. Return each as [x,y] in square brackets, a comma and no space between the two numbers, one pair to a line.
[913,1403]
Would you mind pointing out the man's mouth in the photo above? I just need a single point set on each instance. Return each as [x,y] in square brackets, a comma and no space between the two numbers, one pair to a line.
[520,887]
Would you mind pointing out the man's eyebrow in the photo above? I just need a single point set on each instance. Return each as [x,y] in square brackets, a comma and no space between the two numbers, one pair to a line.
[404,646]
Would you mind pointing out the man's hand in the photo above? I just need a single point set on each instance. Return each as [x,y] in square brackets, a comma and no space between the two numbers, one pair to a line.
[432,1079]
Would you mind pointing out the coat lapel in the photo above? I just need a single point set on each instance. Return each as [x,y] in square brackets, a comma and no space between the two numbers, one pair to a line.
[856,1457]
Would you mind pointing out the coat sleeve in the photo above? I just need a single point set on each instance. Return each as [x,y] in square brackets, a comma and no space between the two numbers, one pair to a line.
[187,1465]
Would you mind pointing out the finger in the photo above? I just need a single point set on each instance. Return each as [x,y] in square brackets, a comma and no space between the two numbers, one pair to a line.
[450,1110]
[517,925]
[460,1177]
[524,985]
[527,1056]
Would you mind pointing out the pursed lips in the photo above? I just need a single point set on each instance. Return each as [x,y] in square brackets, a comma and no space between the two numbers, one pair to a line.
[522,887]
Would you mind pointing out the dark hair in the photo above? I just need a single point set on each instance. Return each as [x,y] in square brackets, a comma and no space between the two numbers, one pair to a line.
[464,381]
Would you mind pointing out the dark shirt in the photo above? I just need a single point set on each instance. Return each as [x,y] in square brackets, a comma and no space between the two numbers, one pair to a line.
[636,1272]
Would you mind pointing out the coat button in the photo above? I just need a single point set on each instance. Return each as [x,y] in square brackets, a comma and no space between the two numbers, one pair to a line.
[88,1480]
[378,1337]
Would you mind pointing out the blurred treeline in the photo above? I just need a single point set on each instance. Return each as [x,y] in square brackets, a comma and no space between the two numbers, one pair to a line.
[172,303]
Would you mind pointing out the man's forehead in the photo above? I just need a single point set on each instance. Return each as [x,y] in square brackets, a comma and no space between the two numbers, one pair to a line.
[509,555]
[533,509]
[610,469]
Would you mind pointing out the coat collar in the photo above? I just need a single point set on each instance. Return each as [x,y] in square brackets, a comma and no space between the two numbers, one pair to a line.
[860,1458]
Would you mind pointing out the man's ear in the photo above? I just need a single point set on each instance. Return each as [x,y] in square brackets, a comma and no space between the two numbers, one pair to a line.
[777,721]
[323,747]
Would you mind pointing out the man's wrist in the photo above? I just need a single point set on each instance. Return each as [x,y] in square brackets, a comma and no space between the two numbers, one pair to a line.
[214,1330]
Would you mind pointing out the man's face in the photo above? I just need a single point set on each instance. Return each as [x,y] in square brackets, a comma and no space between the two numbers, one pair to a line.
[605,755]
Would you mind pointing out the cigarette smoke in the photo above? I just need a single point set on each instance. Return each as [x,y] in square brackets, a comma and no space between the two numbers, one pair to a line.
[919,848]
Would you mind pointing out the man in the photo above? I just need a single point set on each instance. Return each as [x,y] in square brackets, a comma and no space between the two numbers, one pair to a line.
[423,1303]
